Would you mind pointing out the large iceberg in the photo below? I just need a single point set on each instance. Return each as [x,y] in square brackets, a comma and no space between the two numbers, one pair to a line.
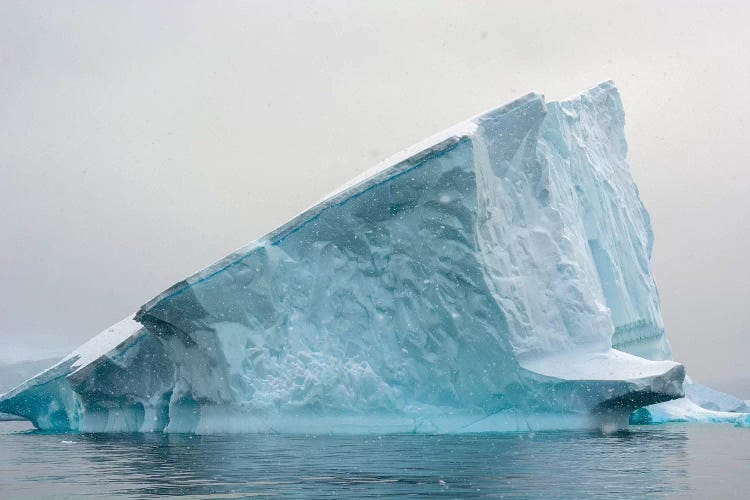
[700,404]
[494,277]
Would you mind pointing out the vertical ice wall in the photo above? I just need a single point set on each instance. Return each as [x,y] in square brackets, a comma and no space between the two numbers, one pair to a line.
[565,239]
[589,131]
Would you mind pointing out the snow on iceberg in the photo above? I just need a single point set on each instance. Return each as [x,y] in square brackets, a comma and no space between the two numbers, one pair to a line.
[700,404]
[487,279]
[683,410]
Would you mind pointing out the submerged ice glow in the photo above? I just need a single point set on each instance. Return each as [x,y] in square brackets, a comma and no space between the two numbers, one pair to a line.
[495,277]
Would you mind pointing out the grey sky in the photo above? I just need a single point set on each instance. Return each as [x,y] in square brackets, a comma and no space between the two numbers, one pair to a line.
[141,141]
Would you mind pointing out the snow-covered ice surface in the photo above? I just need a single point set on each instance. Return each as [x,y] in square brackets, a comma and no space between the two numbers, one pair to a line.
[494,277]
[700,404]
[684,410]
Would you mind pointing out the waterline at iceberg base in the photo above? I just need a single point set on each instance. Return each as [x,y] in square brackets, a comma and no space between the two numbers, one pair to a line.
[494,277]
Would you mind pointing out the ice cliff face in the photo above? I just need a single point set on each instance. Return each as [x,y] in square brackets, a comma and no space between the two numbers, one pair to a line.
[494,277]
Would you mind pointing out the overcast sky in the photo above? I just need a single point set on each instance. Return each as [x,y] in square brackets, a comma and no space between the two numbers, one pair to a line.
[141,141]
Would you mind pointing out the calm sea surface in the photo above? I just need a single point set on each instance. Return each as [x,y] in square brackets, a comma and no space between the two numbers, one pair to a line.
[696,461]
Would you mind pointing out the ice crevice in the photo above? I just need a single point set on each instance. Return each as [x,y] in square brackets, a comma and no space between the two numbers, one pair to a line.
[494,277]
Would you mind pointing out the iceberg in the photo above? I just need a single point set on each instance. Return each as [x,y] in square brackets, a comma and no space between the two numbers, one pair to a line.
[711,399]
[494,277]
[11,374]
[684,410]
[701,404]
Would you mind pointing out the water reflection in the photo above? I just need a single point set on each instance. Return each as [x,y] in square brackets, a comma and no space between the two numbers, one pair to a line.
[646,462]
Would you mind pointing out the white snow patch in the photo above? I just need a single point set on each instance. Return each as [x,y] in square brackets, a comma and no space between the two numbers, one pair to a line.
[607,365]
[684,410]
[103,343]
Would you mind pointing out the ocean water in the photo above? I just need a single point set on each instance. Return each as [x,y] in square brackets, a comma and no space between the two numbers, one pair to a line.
[670,461]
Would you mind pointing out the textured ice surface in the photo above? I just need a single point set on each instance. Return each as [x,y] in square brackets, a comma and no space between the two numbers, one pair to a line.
[711,399]
[494,277]
[700,404]
[683,410]
[13,374]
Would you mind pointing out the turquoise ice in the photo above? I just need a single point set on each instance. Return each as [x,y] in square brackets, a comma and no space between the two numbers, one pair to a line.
[494,277]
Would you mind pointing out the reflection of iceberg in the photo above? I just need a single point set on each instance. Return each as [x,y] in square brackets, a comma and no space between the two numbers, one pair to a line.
[476,282]
[628,465]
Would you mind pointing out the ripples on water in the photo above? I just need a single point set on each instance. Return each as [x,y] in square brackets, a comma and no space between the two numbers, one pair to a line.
[659,461]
